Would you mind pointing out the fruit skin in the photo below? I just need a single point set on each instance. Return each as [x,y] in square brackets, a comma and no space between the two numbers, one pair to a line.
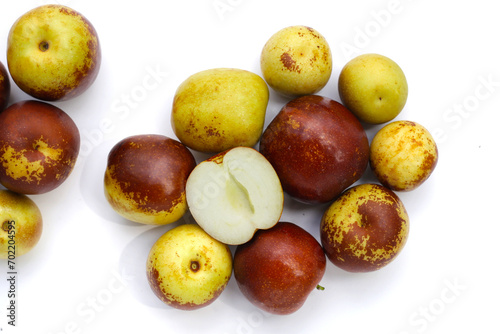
[233,194]
[187,269]
[296,61]
[21,224]
[218,109]
[4,87]
[403,155]
[373,87]
[145,178]
[317,147]
[53,53]
[278,269]
[39,145]
[365,228]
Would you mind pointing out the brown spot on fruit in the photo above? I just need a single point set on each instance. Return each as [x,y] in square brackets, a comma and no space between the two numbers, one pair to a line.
[289,63]
[155,283]
[212,131]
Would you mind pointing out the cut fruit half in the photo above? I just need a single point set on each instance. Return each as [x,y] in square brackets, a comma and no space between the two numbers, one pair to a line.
[233,194]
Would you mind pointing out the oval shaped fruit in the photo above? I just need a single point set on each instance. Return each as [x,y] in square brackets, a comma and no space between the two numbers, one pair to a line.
[296,61]
[187,269]
[403,155]
[21,224]
[219,109]
[279,268]
[145,178]
[317,147]
[373,87]
[53,53]
[39,145]
[365,228]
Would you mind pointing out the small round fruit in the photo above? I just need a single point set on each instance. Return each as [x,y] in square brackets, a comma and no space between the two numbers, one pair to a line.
[4,87]
[20,224]
[403,155]
[296,61]
[279,268]
[187,269]
[365,228]
[373,87]
[219,109]
[317,147]
[39,145]
[145,178]
[53,53]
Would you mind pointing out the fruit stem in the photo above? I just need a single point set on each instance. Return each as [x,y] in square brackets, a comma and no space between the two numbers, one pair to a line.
[319,287]
[43,46]
[5,225]
[195,266]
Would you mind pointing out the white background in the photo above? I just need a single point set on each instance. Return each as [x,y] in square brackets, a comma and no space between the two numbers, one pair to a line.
[87,274]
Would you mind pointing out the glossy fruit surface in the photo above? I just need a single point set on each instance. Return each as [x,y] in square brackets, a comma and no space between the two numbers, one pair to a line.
[365,228]
[317,147]
[53,53]
[145,178]
[279,268]
[187,269]
[39,145]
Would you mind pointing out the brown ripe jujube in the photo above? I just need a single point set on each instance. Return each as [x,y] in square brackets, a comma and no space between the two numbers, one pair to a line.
[365,228]
[317,147]
[279,267]
[145,178]
[39,145]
